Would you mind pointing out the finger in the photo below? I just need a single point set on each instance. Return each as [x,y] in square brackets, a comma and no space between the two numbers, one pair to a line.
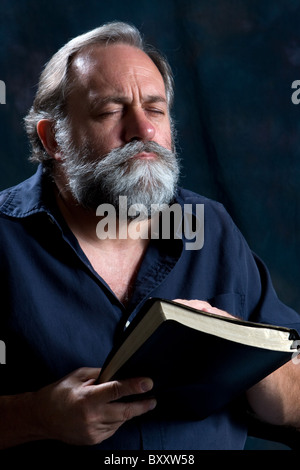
[217,311]
[204,306]
[198,304]
[114,415]
[116,389]
[120,412]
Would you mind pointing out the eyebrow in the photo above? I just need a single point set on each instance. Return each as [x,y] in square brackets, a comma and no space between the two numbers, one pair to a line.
[95,102]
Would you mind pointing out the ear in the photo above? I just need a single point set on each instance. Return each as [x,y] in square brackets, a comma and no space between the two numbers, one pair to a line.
[46,134]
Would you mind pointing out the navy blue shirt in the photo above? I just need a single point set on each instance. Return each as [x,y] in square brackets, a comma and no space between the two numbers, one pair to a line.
[58,314]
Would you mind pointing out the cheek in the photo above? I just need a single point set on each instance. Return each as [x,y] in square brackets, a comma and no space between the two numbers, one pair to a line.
[95,142]
[104,136]
[166,139]
[164,133]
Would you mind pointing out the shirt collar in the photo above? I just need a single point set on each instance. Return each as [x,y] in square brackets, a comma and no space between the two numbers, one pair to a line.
[30,197]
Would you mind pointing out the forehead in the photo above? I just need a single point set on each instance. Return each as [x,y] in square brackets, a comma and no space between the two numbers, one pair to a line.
[115,68]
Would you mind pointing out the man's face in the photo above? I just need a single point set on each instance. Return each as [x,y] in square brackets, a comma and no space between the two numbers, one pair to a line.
[119,96]
[118,138]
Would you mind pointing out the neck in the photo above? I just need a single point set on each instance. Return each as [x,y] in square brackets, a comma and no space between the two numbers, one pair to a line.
[116,259]
[106,232]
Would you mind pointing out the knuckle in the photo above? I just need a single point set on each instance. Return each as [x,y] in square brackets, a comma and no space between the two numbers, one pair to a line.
[115,390]
[127,412]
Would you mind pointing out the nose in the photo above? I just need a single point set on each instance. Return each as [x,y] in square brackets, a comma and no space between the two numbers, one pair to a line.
[138,126]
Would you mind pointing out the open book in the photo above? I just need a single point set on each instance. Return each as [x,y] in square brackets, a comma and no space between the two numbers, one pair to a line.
[199,362]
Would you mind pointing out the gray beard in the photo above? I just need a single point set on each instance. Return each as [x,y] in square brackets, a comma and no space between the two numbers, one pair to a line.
[94,181]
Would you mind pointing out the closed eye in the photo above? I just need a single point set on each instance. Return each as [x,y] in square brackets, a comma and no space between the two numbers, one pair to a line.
[155,111]
[111,112]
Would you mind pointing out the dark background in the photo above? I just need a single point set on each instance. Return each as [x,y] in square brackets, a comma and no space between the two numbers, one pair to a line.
[238,131]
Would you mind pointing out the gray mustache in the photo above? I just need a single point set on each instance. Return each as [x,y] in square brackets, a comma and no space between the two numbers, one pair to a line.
[122,154]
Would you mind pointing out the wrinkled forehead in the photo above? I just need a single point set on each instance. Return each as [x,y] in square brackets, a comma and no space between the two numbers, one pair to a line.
[115,66]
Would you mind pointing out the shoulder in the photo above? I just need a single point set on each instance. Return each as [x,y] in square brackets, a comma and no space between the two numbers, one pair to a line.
[215,212]
[22,199]
[187,196]
[7,205]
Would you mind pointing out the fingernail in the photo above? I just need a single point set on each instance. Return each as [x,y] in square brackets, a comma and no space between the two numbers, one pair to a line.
[146,385]
[152,404]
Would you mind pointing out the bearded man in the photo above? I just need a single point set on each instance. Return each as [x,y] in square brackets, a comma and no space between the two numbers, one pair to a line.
[100,128]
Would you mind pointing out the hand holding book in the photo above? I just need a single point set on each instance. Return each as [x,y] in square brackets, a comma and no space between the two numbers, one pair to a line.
[199,361]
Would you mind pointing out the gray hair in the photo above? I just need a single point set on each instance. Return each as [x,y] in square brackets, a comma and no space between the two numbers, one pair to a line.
[54,85]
